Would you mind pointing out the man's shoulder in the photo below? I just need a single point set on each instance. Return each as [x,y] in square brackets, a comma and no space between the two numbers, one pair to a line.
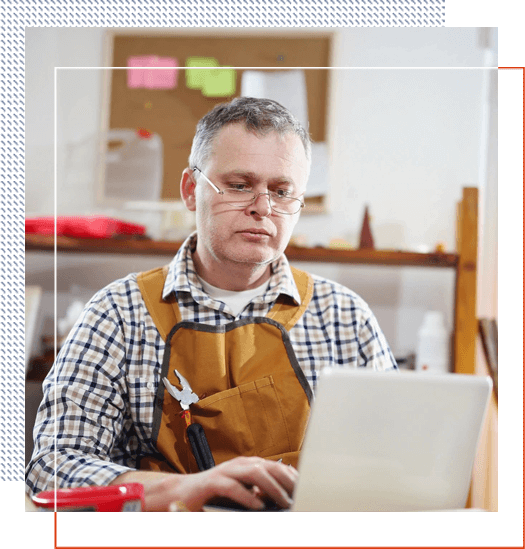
[118,291]
[323,284]
[328,291]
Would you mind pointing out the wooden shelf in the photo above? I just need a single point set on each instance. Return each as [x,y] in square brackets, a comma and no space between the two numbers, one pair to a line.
[42,243]
[371,257]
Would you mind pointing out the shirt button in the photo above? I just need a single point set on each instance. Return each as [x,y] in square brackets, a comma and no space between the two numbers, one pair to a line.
[150,385]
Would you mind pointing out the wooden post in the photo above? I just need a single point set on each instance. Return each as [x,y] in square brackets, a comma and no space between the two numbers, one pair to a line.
[465,322]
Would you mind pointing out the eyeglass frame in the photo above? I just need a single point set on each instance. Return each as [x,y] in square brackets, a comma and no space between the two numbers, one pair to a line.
[256,196]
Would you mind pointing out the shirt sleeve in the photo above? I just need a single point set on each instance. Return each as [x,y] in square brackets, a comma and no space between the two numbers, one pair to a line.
[359,341]
[374,351]
[83,407]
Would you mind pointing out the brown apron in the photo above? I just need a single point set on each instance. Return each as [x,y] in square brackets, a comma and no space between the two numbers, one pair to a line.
[254,397]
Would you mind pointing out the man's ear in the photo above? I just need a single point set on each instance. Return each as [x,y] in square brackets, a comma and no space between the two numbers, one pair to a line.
[187,189]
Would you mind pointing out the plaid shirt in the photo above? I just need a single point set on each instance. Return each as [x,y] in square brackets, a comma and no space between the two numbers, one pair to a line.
[109,368]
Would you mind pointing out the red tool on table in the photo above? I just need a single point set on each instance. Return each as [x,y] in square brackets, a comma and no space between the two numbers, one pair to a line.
[120,497]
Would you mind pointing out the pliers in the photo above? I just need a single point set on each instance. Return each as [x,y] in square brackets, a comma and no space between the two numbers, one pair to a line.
[185,397]
[196,435]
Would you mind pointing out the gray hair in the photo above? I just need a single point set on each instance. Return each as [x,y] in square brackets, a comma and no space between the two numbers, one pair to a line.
[259,116]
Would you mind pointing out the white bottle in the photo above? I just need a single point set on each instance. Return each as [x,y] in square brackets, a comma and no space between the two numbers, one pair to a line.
[134,170]
[433,351]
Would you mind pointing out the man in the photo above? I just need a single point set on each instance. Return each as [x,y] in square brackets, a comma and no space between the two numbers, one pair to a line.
[214,359]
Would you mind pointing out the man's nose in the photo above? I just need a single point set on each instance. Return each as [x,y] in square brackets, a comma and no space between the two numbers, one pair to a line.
[262,207]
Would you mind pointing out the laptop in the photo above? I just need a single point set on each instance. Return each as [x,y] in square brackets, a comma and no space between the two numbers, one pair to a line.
[391,441]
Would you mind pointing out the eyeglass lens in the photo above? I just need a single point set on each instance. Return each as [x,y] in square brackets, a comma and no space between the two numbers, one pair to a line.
[281,204]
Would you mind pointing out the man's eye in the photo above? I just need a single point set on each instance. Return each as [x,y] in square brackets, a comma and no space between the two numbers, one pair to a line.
[282,193]
[237,186]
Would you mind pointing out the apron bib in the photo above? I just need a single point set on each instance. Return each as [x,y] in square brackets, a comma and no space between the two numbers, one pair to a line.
[254,399]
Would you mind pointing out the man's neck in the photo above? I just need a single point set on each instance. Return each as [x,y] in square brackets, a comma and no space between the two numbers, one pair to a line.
[235,277]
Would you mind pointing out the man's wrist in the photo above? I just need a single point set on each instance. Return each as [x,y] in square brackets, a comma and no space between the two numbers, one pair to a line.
[158,487]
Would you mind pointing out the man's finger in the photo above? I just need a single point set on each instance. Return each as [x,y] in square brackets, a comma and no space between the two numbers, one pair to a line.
[270,478]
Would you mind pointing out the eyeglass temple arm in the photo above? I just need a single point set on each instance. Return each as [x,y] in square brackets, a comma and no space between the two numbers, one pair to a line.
[215,188]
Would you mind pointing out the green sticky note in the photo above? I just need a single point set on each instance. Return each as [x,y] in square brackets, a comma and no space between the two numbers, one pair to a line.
[196,78]
[219,83]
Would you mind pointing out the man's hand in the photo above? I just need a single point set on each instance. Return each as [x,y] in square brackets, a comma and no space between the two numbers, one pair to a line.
[245,480]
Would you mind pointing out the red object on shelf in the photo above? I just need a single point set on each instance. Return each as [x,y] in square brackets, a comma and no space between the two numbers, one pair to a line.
[121,497]
[83,226]
[366,240]
[145,134]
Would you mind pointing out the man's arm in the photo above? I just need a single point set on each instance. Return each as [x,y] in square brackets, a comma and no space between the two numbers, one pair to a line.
[82,414]
[245,480]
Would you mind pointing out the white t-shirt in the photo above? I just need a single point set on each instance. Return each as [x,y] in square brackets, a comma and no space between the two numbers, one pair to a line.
[236,301]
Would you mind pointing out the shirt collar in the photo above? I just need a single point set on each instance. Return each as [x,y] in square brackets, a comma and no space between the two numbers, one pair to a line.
[182,277]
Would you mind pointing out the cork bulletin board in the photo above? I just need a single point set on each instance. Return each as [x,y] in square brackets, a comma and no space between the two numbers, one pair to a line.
[174,113]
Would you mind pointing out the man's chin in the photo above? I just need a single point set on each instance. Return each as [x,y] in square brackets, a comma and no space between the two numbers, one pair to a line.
[256,258]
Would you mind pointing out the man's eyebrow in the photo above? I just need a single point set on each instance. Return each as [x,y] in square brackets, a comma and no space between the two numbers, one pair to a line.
[253,177]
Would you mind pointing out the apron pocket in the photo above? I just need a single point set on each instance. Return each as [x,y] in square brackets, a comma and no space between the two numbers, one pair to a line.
[244,420]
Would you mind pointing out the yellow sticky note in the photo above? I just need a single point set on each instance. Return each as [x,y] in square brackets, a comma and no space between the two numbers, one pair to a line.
[195,78]
[219,83]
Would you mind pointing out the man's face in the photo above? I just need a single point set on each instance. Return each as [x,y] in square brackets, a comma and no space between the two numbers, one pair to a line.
[253,235]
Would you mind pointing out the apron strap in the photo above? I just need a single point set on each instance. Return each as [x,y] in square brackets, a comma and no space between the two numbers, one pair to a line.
[285,311]
[166,314]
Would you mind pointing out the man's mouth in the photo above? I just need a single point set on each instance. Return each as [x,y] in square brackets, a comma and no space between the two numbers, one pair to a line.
[255,231]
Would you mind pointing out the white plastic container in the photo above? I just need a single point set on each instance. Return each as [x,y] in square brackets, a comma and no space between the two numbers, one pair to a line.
[134,168]
[433,347]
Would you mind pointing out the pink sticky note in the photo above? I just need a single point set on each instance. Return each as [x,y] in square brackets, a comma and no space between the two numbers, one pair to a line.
[159,79]
[136,76]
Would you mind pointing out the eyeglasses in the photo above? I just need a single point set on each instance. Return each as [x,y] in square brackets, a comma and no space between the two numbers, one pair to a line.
[280,202]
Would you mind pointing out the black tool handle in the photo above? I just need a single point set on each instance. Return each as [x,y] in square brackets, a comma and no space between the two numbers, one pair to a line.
[200,447]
